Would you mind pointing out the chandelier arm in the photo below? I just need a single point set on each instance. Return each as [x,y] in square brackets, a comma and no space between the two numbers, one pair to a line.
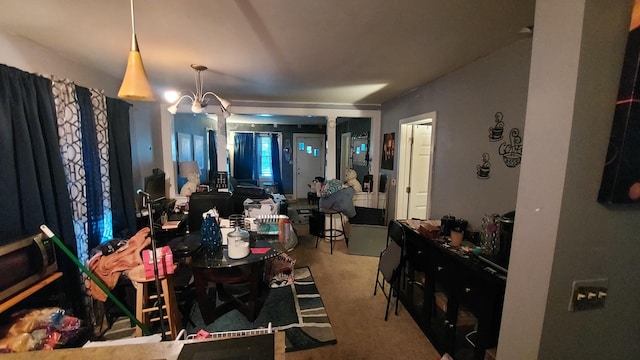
[217,98]
[182,98]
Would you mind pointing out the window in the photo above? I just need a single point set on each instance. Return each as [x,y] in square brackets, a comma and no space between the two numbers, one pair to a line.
[263,149]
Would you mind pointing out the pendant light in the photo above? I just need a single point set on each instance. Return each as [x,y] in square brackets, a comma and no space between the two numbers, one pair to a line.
[135,85]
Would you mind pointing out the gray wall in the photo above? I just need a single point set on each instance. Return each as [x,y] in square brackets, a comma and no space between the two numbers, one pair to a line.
[466,102]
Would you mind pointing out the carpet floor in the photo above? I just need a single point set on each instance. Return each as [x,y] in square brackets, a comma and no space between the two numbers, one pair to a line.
[296,309]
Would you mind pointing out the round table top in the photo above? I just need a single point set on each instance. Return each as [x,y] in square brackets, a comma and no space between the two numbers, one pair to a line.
[263,247]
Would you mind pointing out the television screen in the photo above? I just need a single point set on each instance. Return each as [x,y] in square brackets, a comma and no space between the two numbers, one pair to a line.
[154,186]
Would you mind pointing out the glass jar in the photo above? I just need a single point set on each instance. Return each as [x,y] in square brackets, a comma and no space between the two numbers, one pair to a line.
[490,235]
[238,243]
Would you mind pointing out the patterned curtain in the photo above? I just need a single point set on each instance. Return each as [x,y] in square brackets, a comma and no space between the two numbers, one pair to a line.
[70,142]
[84,148]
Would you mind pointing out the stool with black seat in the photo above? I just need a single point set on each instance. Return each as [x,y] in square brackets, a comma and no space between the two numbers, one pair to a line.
[332,234]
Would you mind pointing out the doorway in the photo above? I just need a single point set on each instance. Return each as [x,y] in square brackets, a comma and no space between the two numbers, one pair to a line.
[308,161]
[415,165]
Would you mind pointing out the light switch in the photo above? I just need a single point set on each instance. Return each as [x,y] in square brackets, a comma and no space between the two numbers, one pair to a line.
[588,294]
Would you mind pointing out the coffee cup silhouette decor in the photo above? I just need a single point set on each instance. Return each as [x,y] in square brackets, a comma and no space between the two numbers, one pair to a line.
[495,132]
[483,170]
[512,152]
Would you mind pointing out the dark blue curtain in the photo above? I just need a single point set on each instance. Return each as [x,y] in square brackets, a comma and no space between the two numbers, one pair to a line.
[91,158]
[213,156]
[275,163]
[32,181]
[243,156]
[123,208]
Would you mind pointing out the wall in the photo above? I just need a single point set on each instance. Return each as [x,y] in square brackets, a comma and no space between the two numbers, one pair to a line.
[466,102]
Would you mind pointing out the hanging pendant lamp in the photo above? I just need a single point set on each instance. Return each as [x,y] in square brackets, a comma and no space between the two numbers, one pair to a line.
[135,85]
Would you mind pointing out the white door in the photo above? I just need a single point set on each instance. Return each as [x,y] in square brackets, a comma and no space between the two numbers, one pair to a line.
[419,173]
[415,151]
[308,161]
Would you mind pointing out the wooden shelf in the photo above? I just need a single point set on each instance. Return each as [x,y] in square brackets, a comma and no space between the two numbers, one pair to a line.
[29,291]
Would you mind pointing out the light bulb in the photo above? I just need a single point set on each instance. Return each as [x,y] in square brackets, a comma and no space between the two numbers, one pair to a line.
[196,107]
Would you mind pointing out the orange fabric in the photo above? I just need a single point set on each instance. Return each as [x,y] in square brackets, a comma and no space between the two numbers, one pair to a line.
[109,268]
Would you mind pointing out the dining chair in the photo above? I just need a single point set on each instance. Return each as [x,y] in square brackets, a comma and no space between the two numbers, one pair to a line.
[391,265]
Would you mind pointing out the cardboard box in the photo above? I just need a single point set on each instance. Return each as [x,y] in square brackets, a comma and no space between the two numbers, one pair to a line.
[165,262]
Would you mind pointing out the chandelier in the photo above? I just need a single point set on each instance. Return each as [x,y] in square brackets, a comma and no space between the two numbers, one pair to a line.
[199,98]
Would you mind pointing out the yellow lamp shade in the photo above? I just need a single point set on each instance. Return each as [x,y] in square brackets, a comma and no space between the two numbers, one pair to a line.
[135,85]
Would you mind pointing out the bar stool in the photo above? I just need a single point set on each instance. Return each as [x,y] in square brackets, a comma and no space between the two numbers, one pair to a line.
[143,306]
[333,233]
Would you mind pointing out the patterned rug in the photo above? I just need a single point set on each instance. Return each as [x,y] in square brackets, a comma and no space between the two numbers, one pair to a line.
[296,309]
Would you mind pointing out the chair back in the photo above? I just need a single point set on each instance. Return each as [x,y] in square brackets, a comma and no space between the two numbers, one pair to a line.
[201,202]
[395,233]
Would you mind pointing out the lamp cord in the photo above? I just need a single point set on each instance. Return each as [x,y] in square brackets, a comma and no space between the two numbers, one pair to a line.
[133,22]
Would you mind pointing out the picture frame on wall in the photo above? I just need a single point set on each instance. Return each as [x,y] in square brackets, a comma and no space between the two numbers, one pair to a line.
[198,152]
[185,147]
[388,151]
[621,176]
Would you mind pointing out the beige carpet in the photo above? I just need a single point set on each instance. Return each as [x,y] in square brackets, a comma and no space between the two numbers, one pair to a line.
[346,284]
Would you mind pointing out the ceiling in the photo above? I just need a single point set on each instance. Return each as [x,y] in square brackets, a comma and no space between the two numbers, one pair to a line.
[309,51]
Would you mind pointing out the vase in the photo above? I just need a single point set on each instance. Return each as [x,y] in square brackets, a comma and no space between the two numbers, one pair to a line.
[211,234]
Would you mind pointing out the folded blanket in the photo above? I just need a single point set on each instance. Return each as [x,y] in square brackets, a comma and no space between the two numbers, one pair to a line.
[341,200]
[109,268]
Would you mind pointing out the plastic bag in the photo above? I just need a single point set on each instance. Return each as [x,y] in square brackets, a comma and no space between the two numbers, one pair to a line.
[280,272]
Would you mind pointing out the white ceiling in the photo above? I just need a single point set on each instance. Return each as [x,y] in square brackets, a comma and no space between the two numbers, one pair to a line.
[320,51]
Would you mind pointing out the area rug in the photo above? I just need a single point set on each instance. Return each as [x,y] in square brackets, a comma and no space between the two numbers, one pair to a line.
[296,309]
[299,216]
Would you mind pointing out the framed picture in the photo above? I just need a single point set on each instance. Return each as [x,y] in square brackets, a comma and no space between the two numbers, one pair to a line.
[198,152]
[185,147]
[388,151]
[621,177]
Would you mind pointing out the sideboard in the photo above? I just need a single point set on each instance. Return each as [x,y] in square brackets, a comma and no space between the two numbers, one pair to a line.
[454,298]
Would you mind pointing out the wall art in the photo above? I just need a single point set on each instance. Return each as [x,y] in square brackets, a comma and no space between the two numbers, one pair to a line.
[620,182]
[512,151]
[483,170]
[185,147]
[495,132]
[388,151]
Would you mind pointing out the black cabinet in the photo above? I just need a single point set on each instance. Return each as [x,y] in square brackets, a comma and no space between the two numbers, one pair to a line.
[455,299]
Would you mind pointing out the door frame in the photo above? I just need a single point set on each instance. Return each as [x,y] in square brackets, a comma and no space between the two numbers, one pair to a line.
[323,154]
[404,164]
